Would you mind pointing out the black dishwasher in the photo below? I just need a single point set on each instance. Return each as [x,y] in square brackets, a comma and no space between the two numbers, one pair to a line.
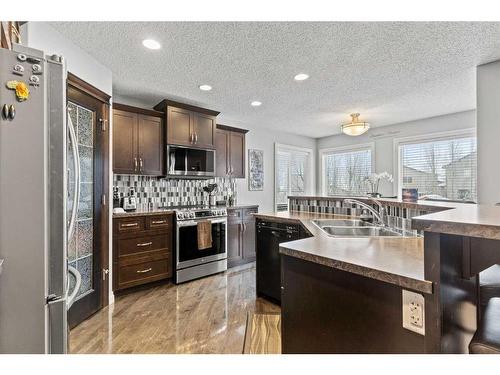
[268,263]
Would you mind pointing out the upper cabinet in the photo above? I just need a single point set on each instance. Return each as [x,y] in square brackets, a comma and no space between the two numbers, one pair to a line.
[230,151]
[189,125]
[137,141]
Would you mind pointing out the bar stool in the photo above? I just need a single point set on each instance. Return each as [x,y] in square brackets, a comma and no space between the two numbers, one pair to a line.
[489,284]
[486,340]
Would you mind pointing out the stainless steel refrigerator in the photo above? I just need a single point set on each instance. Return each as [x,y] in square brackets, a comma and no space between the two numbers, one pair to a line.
[36,214]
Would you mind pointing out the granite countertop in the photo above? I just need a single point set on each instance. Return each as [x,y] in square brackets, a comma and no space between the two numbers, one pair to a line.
[139,212]
[467,220]
[395,260]
[163,210]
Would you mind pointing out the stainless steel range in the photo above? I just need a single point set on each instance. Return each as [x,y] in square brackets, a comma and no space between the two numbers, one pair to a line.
[191,261]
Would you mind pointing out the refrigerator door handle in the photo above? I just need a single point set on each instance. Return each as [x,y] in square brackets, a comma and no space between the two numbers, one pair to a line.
[71,298]
[76,161]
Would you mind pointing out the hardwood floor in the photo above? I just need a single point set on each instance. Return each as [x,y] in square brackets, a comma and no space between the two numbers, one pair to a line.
[263,334]
[203,316]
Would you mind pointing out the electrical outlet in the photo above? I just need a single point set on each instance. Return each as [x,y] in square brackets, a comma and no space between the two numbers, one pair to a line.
[414,312]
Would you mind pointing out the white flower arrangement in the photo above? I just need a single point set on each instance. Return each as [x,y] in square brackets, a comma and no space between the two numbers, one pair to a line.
[374,180]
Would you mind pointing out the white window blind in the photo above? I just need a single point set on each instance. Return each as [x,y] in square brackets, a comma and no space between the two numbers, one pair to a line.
[292,174]
[345,172]
[440,169]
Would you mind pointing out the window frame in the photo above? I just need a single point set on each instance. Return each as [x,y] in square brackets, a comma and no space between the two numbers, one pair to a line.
[342,150]
[310,176]
[423,138]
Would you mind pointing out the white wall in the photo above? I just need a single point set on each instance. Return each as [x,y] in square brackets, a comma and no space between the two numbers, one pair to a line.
[41,36]
[383,139]
[488,132]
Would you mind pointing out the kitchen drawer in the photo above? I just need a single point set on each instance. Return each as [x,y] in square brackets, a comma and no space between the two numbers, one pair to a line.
[144,272]
[130,246]
[158,222]
[129,225]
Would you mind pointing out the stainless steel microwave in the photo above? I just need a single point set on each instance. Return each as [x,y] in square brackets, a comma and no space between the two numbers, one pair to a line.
[192,162]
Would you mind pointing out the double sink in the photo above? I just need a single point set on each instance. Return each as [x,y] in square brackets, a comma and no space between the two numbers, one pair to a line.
[355,228]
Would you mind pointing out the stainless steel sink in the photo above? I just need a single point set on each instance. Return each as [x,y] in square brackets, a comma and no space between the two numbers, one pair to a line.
[341,223]
[354,228]
[360,232]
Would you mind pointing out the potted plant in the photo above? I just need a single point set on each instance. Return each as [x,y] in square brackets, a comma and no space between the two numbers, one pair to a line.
[373,181]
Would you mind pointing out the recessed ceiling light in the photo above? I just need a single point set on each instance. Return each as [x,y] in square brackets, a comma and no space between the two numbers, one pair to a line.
[205,87]
[151,44]
[255,103]
[301,77]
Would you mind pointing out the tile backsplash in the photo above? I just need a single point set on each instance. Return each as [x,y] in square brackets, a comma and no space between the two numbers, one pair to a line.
[163,192]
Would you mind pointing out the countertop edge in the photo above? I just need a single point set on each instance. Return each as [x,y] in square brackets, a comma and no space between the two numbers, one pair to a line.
[423,286]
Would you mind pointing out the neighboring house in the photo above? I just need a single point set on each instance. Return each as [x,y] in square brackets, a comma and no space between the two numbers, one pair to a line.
[461,178]
[427,183]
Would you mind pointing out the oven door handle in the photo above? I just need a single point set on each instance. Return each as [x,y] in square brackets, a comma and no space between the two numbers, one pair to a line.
[192,223]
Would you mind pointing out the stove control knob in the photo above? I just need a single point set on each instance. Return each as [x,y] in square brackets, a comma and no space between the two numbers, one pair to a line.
[180,216]
[191,215]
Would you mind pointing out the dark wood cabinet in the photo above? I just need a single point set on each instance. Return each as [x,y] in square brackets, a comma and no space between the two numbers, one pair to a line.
[137,141]
[230,147]
[188,125]
[241,235]
[142,250]
[124,142]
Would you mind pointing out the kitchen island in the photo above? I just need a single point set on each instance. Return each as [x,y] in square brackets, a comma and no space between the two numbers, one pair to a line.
[344,295]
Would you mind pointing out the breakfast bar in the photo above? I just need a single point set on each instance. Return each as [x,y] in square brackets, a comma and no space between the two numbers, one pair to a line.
[346,294]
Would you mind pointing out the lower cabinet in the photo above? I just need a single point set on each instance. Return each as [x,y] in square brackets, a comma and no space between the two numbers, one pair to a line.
[142,250]
[241,235]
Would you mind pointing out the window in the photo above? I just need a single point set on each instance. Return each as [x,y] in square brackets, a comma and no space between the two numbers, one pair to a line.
[293,174]
[441,169]
[344,170]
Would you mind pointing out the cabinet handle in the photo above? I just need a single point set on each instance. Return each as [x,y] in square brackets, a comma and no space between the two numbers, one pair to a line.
[158,222]
[244,227]
[191,138]
[144,244]
[195,138]
[140,164]
[135,164]
[144,271]
[130,225]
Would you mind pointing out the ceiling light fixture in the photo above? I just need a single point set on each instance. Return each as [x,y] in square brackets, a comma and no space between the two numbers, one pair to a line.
[151,44]
[205,87]
[301,77]
[355,127]
[255,103]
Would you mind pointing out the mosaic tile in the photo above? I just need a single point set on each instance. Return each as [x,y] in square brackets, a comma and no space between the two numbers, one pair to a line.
[85,127]
[86,163]
[85,235]
[84,266]
[85,205]
[170,192]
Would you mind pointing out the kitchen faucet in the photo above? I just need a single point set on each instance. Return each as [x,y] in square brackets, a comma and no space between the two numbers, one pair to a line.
[379,216]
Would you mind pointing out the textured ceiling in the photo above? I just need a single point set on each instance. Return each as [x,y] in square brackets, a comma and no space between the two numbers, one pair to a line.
[389,71]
